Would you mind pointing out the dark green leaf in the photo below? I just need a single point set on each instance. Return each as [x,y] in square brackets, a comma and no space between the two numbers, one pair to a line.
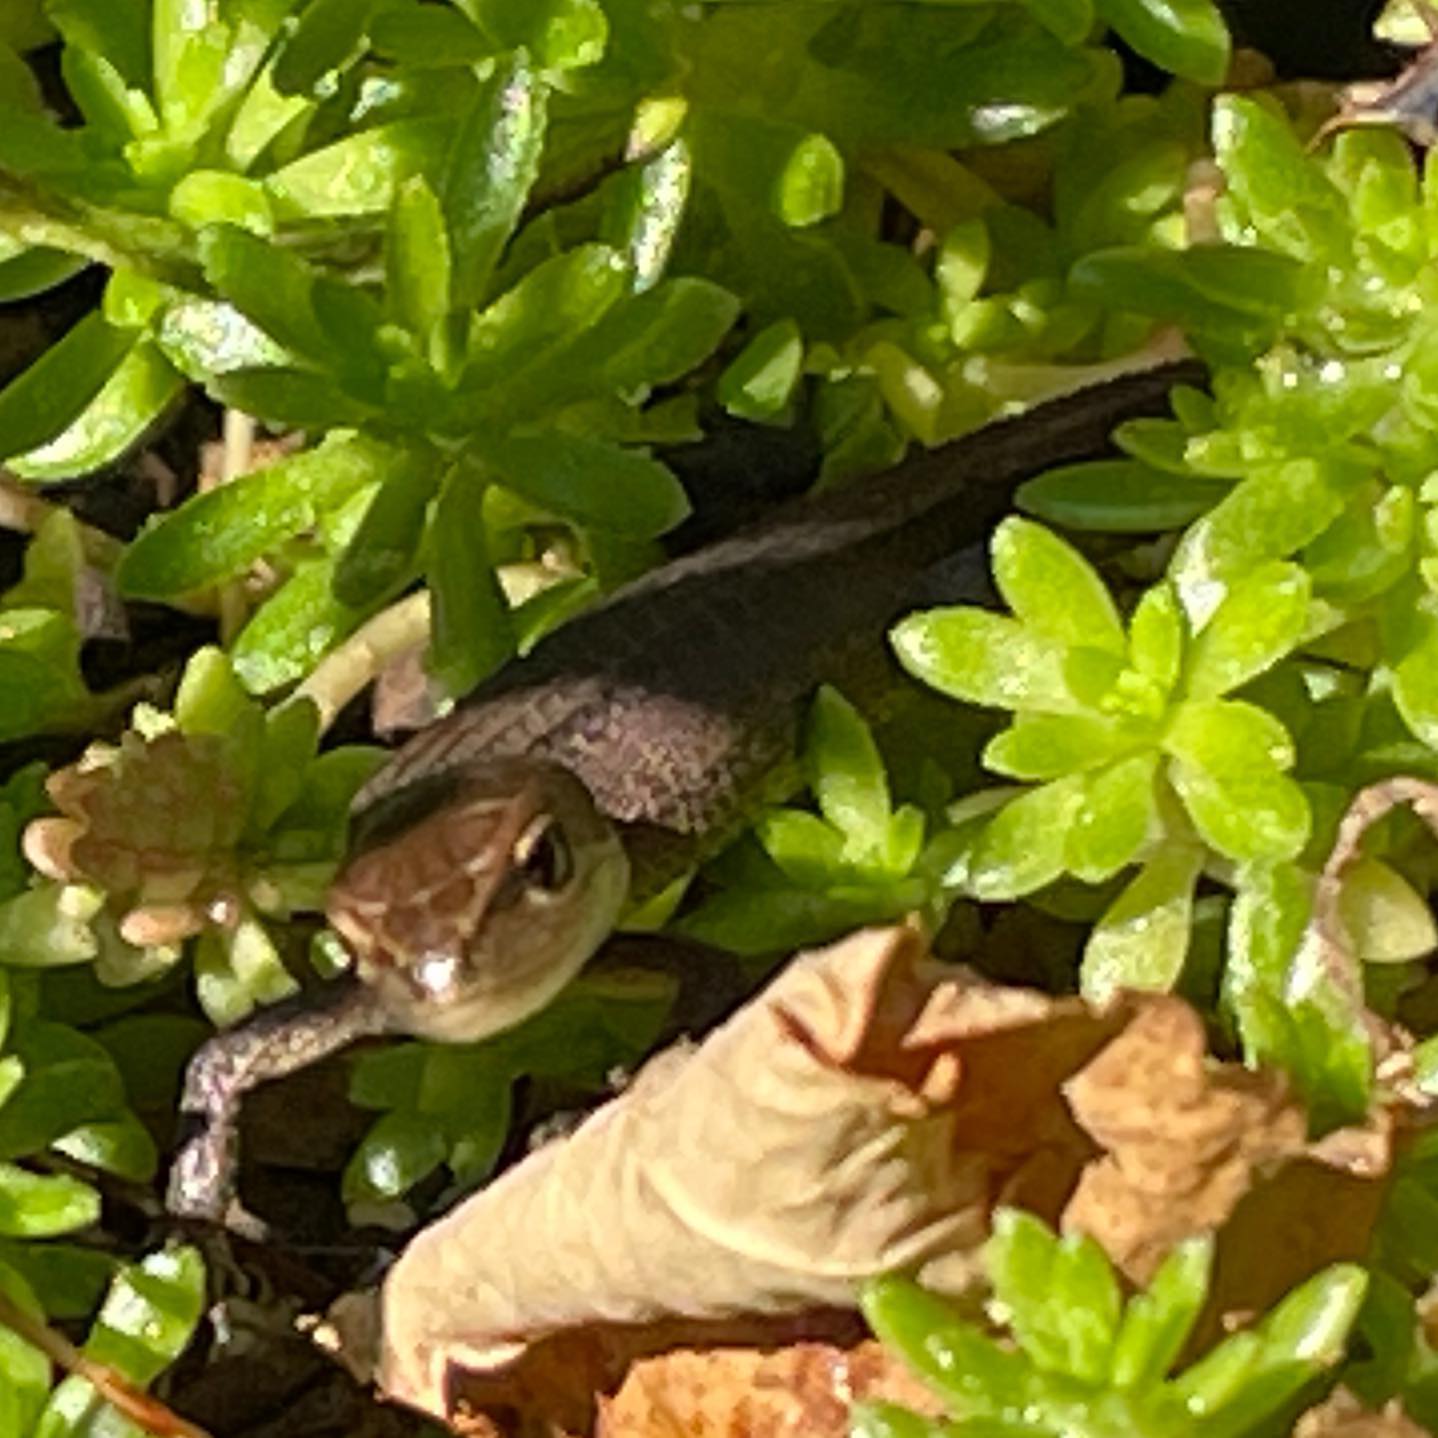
[472,633]
[590,482]
[327,38]
[384,550]
[117,29]
[25,273]
[215,535]
[1121,496]
[492,165]
[291,398]
[55,390]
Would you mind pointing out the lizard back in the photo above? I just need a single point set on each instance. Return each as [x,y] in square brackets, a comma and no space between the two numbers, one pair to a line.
[677,699]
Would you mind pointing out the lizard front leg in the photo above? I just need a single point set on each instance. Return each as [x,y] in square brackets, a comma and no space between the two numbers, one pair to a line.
[279,1040]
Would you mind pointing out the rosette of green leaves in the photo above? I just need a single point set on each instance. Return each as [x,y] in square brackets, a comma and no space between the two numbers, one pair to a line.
[1082,1361]
[452,1104]
[1135,751]
[64,1105]
[439,392]
[43,623]
[136,868]
[802,877]
[788,201]
[275,117]
[1322,448]
[148,1315]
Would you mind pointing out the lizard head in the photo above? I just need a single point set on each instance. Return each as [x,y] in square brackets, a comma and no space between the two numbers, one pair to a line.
[471,897]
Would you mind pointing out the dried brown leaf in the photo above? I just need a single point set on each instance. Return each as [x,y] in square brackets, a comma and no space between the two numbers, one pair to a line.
[1341,1415]
[865,1113]
[861,1115]
[1193,1146]
[800,1391]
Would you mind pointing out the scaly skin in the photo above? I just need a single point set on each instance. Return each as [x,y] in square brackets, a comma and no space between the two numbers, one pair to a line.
[676,705]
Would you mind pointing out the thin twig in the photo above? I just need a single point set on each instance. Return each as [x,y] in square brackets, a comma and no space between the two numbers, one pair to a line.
[341,674]
[1368,806]
[122,1395]
[237,458]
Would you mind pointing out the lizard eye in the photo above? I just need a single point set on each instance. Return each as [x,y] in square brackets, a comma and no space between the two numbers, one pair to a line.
[542,856]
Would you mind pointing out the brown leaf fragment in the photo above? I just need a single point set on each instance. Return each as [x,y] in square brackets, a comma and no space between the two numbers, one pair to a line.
[1341,1415]
[861,1115]
[1183,1138]
[801,1391]
[865,1113]
[1193,1146]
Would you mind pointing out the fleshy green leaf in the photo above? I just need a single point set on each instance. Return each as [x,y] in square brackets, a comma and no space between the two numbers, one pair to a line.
[217,534]
[760,380]
[51,395]
[1022,847]
[358,175]
[1187,37]
[417,259]
[473,633]
[137,393]
[1228,763]
[846,773]
[590,482]
[493,163]
[986,659]
[1260,620]
[1118,817]
[1142,939]
[1052,589]
[1121,496]
[33,1206]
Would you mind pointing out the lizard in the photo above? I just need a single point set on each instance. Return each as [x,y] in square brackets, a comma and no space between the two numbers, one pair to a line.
[491,856]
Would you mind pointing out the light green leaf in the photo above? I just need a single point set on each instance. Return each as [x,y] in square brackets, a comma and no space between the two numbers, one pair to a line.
[1052,589]
[845,771]
[1142,940]
[33,1206]
[1022,848]
[218,534]
[760,380]
[986,659]
[1118,817]
[1228,763]
[1260,620]
[136,394]
[493,163]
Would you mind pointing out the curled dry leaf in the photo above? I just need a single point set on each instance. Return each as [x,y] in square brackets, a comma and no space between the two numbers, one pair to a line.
[862,1115]
[1328,942]
[865,1113]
